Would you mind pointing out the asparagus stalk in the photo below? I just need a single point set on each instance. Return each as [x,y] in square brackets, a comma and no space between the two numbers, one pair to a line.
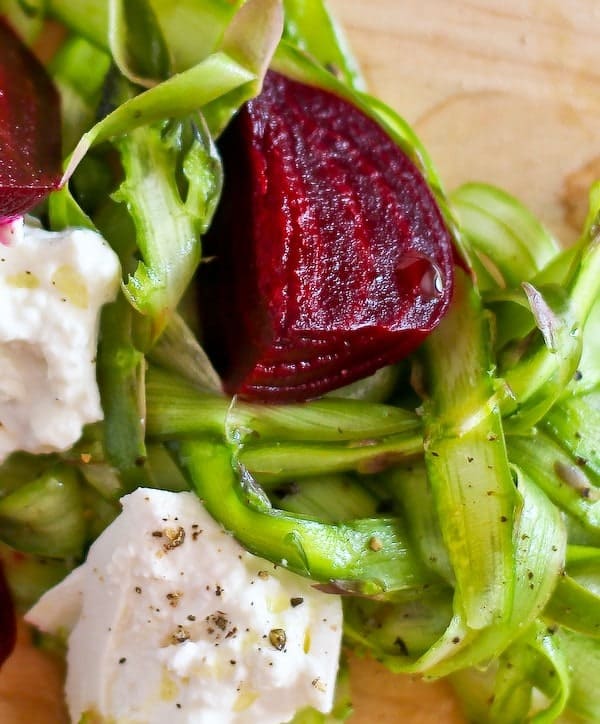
[574,423]
[539,378]
[560,477]
[168,225]
[176,408]
[368,556]
[503,230]
[330,498]
[466,461]
[121,371]
[282,461]
[412,492]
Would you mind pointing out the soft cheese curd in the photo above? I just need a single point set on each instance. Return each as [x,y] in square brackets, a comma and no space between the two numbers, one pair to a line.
[52,286]
[171,620]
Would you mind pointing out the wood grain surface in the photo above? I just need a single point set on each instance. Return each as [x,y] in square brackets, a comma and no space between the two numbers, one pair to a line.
[504,91]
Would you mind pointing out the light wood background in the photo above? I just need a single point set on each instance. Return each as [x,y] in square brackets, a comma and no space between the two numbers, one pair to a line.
[505,91]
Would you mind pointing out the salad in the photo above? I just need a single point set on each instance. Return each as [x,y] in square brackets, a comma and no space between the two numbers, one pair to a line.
[449,499]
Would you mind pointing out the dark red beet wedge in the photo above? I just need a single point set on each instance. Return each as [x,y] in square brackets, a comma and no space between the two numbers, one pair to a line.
[332,257]
[30,130]
[8,621]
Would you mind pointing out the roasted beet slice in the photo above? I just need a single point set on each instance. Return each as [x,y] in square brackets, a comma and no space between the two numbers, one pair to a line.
[8,621]
[331,255]
[30,130]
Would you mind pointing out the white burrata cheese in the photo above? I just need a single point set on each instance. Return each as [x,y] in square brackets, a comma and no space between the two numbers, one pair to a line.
[52,286]
[171,620]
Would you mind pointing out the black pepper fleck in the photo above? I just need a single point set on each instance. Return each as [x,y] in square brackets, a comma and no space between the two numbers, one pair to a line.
[401,645]
[175,537]
[219,619]
[318,684]
[180,635]
[173,598]
[375,544]
[277,638]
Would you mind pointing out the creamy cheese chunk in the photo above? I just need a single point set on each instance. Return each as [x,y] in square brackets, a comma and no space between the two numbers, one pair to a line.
[52,286]
[172,621]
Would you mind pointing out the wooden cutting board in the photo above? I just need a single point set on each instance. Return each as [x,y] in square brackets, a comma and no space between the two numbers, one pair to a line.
[503,91]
